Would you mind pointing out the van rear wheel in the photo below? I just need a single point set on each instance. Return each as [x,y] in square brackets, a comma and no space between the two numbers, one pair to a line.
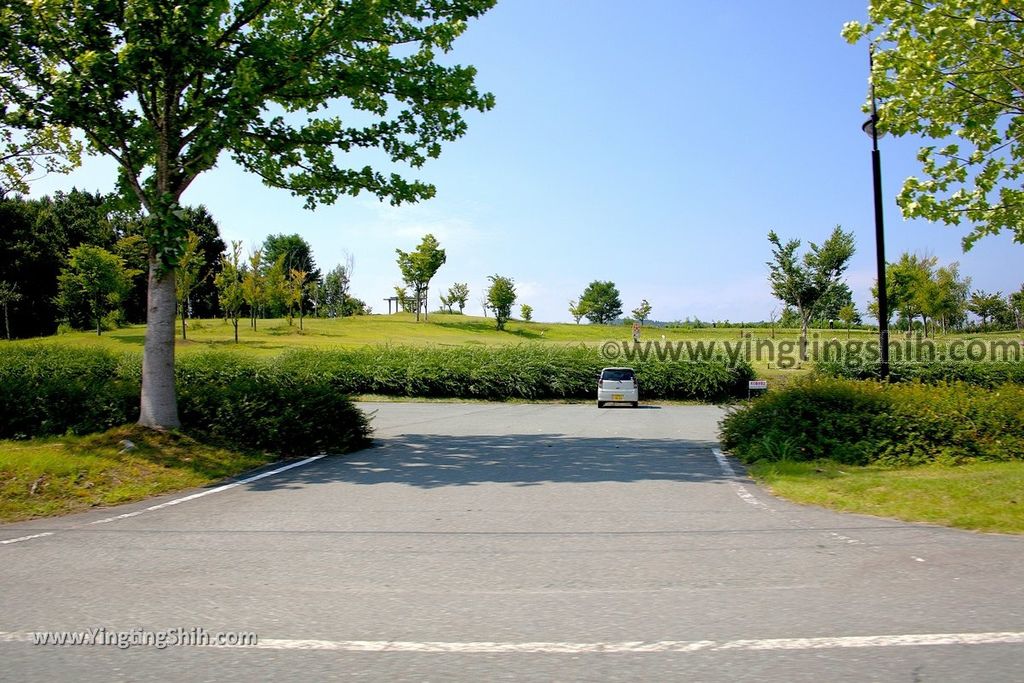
[600,404]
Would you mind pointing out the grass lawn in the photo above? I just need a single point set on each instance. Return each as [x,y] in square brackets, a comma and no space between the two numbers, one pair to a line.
[982,496]
[59,475]
[276,336]
[272,337]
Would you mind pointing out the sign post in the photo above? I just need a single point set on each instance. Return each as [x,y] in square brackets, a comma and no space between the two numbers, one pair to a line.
[756,385]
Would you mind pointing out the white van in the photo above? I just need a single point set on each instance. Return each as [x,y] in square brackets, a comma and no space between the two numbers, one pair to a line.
[618,385]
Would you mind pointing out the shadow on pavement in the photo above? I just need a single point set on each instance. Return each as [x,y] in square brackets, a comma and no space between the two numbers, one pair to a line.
[433,460]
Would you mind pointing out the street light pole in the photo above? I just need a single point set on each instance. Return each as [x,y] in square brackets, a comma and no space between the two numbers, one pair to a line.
[871,128]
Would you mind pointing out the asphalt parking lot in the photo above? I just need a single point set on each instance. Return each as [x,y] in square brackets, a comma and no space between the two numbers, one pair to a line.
[513,542]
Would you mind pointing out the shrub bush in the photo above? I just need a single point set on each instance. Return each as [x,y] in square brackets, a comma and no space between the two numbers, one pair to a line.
[261,405]
[525,371]
[862,422]
[295,403]
[53,390]
[244,402]
[983,374]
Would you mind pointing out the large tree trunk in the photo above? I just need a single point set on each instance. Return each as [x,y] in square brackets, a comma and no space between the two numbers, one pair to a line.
[159,406]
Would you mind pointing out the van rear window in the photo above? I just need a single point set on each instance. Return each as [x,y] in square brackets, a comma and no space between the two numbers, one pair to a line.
[617,375]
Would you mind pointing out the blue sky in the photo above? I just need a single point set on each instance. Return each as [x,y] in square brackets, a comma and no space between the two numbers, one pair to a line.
[653,143]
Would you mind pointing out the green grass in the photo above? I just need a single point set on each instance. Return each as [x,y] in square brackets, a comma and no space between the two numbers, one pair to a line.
[273,337]
[60,475]
[981,496]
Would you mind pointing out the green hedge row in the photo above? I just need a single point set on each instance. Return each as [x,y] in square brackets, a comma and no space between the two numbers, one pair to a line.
[862,422]
[983,374]
[249,403]
[527,371]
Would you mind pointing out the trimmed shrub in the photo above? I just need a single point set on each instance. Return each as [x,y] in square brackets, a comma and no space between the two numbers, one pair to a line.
[983,374]
[295,403]
[261,405]
[235,400]
[525,371]
[53,390]
[862,422]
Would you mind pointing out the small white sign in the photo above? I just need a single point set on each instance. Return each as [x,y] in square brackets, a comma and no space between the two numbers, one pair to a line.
[757,384]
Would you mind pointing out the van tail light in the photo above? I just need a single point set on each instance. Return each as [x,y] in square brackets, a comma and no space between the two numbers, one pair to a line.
[634,383]
[600,383]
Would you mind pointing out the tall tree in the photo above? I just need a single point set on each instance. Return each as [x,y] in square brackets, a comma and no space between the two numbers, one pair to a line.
[1016,300]
[296,251]
[296,293]
[458,294]
[949,305]
[163,89]
[642,312]
[832,302]
[277,296]
[36,236]
[229,283]
[204,297]
[848,314]
[94,278]
[336,285]
[405,302]
[134,251]
[802,282]
[601,302]
[577,309]
[9,295]
[254,286]
[315,295]
[951,71]
[501,296]
[986,305]
[187,276]
[419,267]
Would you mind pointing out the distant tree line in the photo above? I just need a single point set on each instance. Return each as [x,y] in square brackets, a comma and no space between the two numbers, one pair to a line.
[80,259]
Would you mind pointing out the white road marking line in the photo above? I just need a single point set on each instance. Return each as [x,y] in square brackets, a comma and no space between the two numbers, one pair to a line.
[620,647]
[628,647]
[208,492]
[741,490]
[845,539]
[184,499]
[26,538]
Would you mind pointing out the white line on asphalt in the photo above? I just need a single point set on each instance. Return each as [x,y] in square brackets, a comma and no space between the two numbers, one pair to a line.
[621,647]
[218,489]
[739,488]
[638,647]
[26,538]
[184,499]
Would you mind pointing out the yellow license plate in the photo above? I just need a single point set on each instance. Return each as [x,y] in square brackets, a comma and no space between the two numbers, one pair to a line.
[616,397]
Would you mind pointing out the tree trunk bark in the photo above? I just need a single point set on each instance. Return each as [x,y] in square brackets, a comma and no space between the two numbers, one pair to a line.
[803,336]
[159,406]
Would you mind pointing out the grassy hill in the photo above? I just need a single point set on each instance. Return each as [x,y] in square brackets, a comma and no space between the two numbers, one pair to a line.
[273,337]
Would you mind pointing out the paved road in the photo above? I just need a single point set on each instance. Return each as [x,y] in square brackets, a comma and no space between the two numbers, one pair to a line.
[515,542]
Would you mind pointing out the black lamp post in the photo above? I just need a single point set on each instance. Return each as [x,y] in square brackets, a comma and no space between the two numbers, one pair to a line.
[871,128]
